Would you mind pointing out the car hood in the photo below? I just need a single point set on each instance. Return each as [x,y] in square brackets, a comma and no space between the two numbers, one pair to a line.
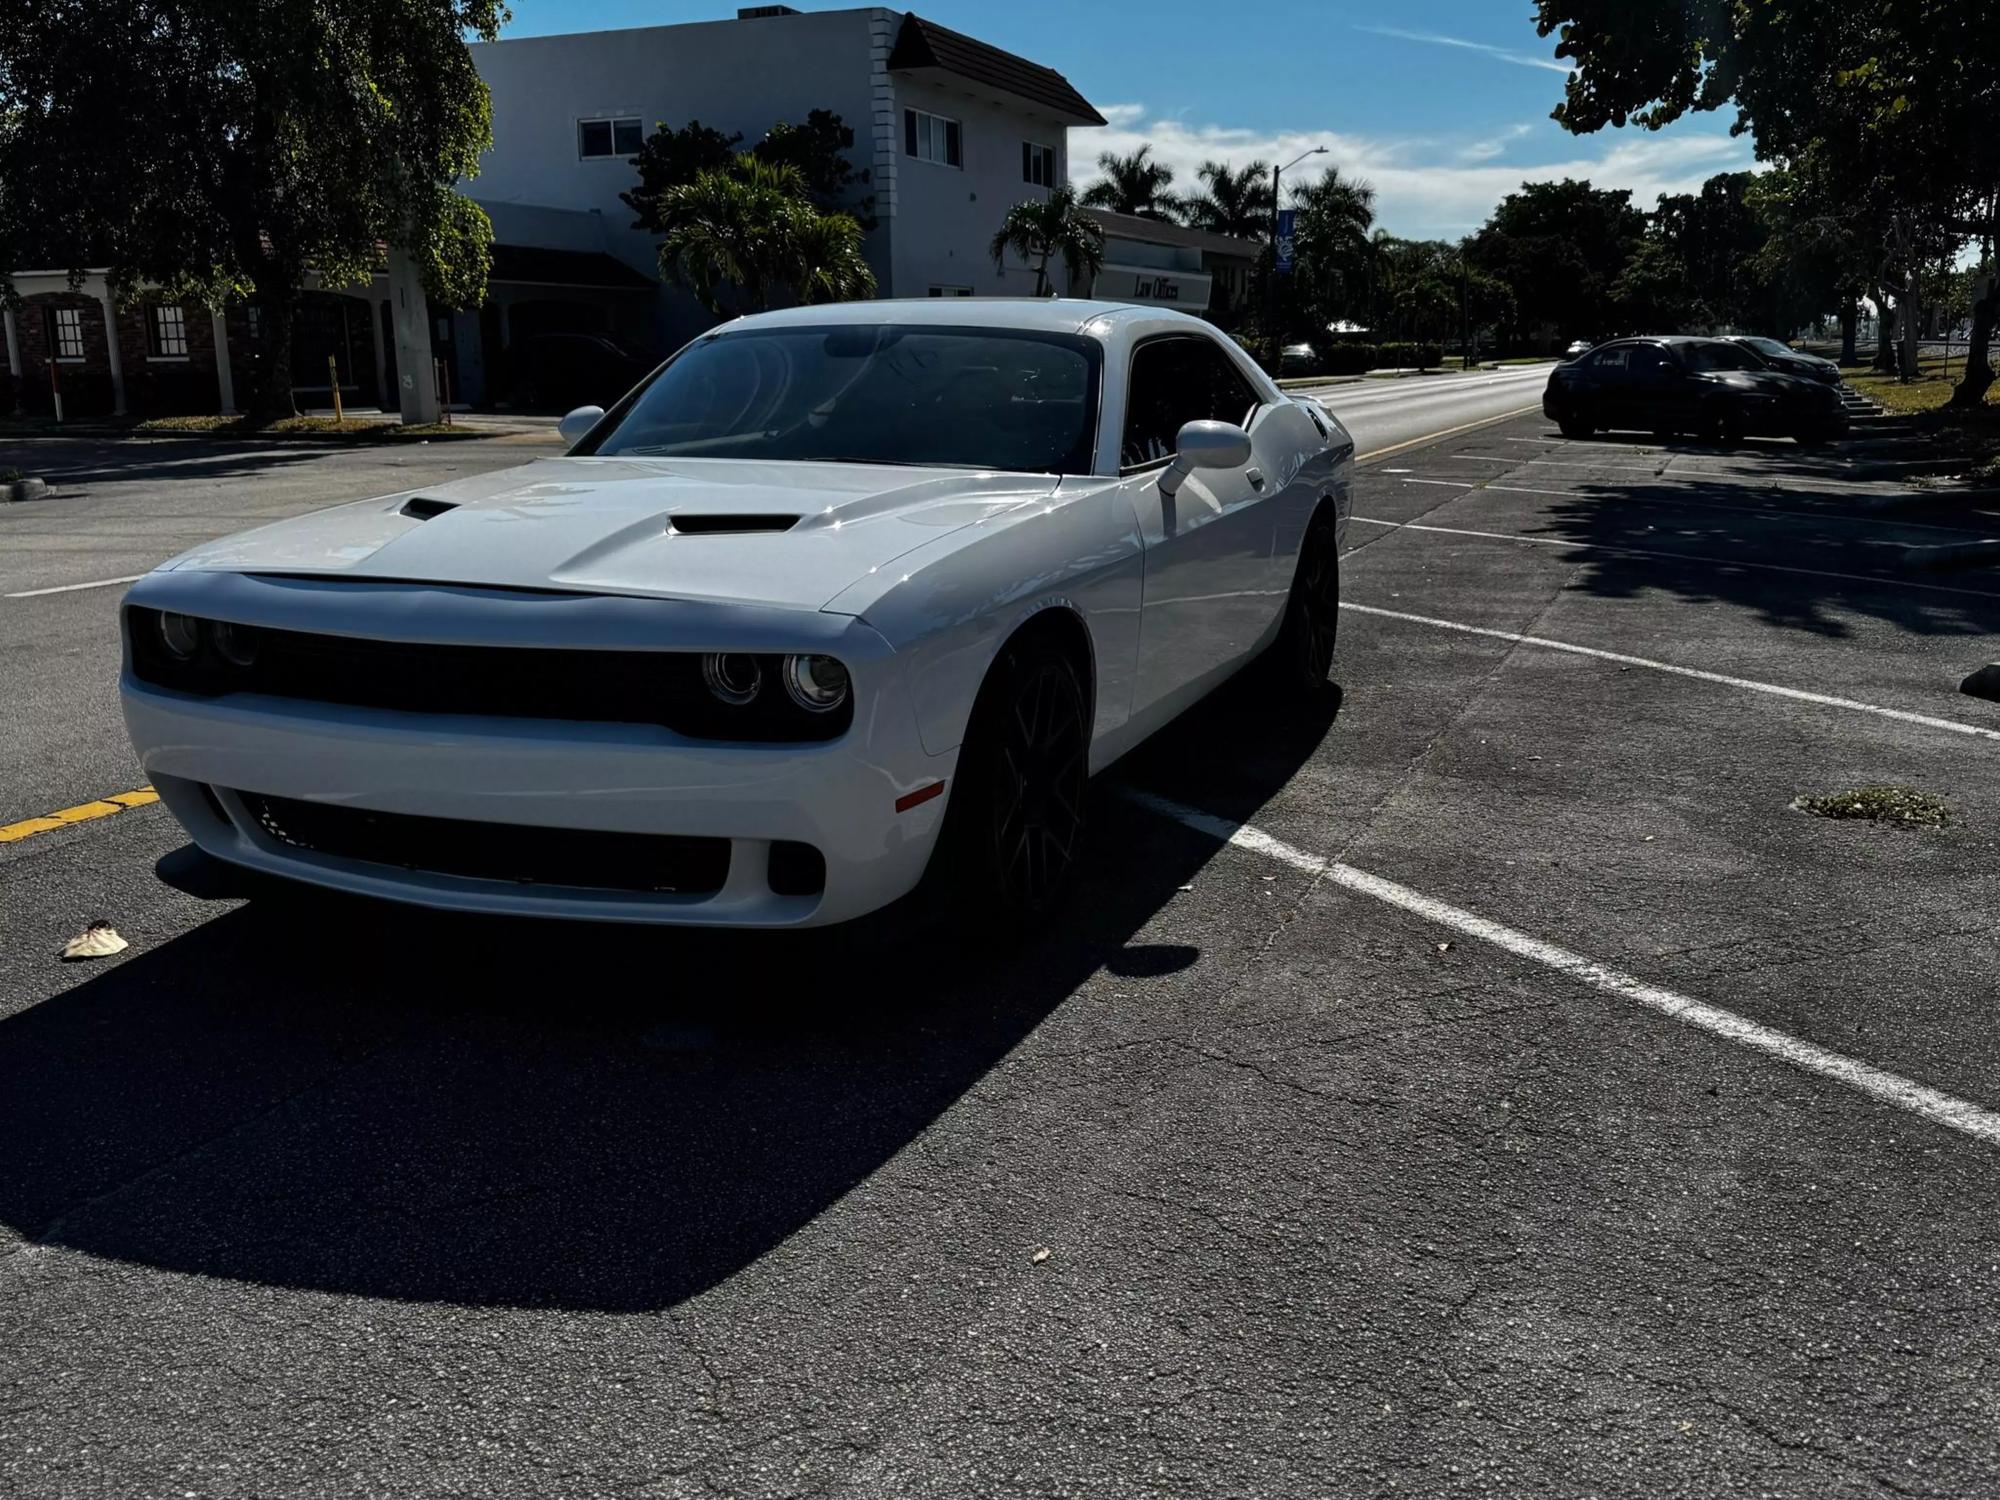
[609,525]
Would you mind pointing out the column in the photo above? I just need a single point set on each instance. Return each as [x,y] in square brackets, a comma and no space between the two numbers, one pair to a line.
[416,382]
[384,397]
[111,347]
[13,353]
[225,380]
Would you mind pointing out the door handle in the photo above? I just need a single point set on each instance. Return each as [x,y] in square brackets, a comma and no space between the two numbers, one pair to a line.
[1256,478]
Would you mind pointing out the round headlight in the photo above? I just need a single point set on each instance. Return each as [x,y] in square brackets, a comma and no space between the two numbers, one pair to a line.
[732,677]
[237,644]
[817,684]
[181,635]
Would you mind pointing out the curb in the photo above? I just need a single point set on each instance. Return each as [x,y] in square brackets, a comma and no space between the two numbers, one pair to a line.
[1953,555]
[1985,683]
[24,489]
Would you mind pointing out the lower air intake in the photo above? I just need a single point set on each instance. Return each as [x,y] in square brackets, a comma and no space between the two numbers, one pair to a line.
[582,859]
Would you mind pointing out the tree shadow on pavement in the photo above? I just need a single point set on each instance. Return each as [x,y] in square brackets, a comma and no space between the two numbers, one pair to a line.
[1735,553]
[348,1096]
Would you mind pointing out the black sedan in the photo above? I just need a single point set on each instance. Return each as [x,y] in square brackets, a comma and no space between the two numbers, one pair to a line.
[1786,360]
[1708,387]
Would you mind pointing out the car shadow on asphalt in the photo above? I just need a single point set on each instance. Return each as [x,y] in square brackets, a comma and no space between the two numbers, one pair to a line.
[352,1097]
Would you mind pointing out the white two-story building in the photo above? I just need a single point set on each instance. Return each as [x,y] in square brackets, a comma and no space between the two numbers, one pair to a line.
[949,131]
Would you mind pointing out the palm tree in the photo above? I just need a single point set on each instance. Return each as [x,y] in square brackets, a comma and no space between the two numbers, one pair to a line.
[1038,231]
[1336,259]
[1231,202]
[751,226]
[1134,184]
[827,264]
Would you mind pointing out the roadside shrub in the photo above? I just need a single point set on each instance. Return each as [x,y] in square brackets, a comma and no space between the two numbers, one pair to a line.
[1409,356]
[1348,359]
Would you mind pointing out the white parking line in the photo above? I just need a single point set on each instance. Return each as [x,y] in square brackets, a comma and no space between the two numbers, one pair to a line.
[71,588]
[1888,1088]
[1879,580]
[1720,679]
[1450,484]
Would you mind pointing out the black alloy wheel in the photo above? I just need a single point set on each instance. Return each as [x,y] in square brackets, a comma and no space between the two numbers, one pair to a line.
[1015,828]
[1304,649]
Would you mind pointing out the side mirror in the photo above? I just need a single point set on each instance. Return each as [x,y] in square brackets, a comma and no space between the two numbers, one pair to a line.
[573,427]
[1205,445]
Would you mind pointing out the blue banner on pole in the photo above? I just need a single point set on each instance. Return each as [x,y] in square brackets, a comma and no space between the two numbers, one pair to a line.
[1287,219]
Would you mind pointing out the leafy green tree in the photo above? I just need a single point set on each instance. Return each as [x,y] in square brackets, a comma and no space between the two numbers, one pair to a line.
[1040,230]
[1135,184]
[1232,201]
[216,148]
[819,150]
[1560,248]
[742,234]
[1894,101]
[669,159]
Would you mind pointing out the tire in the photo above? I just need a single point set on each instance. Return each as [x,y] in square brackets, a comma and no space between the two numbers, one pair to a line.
[1575,428]
[1014,830]
[1721,426]
[1301,659]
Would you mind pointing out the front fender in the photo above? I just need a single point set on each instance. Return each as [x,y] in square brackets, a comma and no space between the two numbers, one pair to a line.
[953,604]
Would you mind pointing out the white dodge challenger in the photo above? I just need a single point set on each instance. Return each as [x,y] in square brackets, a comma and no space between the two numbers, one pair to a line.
[840,601]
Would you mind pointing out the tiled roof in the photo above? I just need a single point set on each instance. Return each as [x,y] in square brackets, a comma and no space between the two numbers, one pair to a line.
[925,44]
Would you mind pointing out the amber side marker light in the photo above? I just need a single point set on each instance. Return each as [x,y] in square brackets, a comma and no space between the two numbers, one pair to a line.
[919,797]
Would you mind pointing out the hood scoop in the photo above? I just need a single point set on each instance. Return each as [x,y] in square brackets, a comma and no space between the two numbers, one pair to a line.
[712,525]
[421,509]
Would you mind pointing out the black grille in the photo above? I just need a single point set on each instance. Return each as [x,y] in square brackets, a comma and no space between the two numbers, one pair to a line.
[645,862]
[527,682]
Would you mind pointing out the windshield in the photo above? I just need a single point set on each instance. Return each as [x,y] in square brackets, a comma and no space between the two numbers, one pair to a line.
[1719,357]
[1769,346]
[870,393]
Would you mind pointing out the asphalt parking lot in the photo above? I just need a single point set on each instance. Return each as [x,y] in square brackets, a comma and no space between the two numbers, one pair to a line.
[1487,1083]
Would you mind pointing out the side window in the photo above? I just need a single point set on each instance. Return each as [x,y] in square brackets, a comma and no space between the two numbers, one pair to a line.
[1650,362]
[1611,361]
[1176,381]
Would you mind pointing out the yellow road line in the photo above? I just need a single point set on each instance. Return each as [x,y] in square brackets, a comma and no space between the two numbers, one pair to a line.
[82,813]
[1505,416]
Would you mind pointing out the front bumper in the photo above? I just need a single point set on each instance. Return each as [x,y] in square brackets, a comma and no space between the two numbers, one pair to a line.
[838,797]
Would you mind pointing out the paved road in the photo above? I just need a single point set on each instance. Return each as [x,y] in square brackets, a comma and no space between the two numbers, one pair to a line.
[1365,1105]
[1385,413]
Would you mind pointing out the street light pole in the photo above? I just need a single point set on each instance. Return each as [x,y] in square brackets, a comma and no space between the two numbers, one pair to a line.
[1274,349]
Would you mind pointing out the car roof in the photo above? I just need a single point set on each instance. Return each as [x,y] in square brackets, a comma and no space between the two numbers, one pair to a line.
[1037,314]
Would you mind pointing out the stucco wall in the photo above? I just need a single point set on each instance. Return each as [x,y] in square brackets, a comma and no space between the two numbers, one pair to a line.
[946,216]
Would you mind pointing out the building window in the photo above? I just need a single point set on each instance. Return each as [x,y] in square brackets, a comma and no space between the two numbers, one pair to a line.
[64,327]
[599,139]
[253,322]
[166,332]
[932,138]
[951,291]
[1038,164]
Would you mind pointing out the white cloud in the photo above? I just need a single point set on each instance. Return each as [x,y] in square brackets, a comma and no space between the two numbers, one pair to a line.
[1424,188]
[1502,54]
[1494,146]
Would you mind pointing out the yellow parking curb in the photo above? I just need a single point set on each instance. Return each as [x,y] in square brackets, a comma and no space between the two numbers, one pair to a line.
[83,812]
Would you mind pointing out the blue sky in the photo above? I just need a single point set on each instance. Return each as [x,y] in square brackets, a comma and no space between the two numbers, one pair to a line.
[1442,104]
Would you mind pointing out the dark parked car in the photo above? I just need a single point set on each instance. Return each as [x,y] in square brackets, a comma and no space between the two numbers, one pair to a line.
[1786,360]
[1708,387]
[562,371]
